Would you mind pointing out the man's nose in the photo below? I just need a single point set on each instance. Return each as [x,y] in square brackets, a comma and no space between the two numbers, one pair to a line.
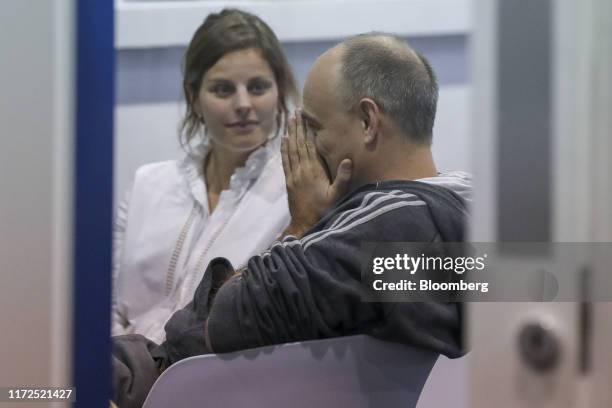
[242,101]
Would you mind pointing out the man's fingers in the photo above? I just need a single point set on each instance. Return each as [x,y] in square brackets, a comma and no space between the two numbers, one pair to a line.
[294,159]
[310,146]
[343,176]
[300,138]
[285,157]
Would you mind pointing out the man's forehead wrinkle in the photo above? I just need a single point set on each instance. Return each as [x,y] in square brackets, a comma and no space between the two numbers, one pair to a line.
[310,111]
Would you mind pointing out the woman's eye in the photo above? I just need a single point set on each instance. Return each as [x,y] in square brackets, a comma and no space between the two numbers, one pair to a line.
[222,89]
[259,87]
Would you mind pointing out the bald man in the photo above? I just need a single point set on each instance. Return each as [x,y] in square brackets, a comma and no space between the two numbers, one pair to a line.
[359,168]
[365,129]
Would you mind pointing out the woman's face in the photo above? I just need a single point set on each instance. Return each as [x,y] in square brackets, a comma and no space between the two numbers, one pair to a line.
[238,100]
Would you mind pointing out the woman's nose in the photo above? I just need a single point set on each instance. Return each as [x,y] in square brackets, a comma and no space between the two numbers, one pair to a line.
[242,102]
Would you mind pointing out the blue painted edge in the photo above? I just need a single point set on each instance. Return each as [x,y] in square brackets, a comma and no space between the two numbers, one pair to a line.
[93,189]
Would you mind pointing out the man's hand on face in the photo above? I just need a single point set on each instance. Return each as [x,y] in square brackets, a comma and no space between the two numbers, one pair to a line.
[310,192]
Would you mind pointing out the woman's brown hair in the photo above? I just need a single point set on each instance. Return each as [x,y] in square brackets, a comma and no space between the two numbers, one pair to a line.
[221,33]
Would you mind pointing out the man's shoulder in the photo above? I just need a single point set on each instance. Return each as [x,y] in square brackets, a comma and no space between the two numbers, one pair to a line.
[409,207]
[411,193]
[379,197]
[374,203]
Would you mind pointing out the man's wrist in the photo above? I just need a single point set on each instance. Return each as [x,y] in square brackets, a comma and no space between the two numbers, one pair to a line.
[295,229]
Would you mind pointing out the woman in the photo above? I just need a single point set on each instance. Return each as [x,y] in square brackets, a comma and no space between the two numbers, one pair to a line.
[227,196]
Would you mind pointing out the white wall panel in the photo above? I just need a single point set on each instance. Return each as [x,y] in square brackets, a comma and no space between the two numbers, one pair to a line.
[146,24]
[144,133]
[452,141]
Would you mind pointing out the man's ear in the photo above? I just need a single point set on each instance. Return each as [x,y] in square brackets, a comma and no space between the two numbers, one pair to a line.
[369,113]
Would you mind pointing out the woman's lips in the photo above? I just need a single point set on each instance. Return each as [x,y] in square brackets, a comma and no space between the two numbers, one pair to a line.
[243,123]
[244,126]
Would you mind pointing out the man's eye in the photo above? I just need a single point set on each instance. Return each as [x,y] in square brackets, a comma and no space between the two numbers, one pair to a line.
[311,126]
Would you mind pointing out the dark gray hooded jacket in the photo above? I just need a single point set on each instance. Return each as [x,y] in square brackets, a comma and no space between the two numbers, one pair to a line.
[310,288]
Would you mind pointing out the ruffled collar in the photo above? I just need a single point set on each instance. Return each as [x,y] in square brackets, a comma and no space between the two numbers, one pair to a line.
[241,180]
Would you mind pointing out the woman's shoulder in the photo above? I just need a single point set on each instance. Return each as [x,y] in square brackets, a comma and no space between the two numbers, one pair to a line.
[161,175]
[160,184]
[157,168]
[164,169]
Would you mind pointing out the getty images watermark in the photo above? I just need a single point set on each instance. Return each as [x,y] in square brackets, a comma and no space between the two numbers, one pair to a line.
[427,265]
[526,271]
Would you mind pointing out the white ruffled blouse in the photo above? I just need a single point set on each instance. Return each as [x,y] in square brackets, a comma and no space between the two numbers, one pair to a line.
[164,234]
